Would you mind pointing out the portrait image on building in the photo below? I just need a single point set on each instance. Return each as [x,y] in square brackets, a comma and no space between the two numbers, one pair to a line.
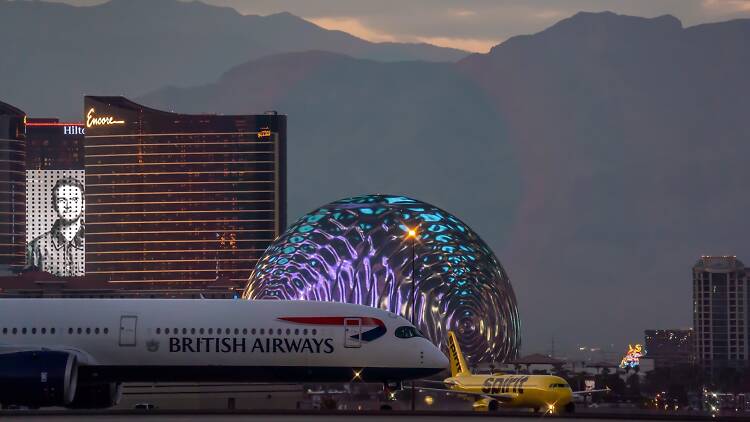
[55,204]
[55,197]
[176,199]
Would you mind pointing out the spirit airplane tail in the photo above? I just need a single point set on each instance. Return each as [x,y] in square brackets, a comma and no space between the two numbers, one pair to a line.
[458,363]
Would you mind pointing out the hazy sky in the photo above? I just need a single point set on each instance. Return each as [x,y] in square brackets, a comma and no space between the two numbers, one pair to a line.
[474,25]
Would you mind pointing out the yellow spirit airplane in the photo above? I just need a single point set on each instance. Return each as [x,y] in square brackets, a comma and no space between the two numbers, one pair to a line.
[492,392]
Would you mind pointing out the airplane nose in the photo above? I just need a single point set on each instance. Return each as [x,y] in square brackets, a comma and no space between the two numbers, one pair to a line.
[434,358]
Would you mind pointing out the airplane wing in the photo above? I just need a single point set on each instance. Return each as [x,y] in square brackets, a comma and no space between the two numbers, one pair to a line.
[498,397]
[603,390]
[443,383]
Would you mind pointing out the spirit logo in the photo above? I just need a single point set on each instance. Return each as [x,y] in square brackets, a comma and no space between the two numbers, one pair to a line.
[92,120]
[504,385]
[454,354]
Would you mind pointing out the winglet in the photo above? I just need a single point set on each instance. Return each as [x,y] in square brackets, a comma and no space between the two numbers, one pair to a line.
[458,363]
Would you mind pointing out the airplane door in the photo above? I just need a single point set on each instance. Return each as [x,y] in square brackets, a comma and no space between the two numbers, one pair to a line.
[352,332]
[128,325]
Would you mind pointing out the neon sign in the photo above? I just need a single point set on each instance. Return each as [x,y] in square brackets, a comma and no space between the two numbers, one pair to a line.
[73,130]
[264,133]
[92,120]
[632,359]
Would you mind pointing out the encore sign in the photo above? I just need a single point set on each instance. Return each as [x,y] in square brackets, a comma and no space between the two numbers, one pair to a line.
[92,120]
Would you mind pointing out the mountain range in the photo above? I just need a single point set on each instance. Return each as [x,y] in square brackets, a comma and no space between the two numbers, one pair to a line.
[599,158]
[56,53]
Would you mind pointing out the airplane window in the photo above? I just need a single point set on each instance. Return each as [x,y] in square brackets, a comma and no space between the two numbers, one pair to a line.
[176,331]
[166,331]
[23,330]
[218,331]
[158,331]
[252,331]
[5,331]
[33,331]
[70,330]
[288,331]
[88,330]
[278,331]
[228,331]
[406,332]
[244,331]
[52,330]
[15,330]
[296,331]
[79,330]
[210,331]
[201,330]
[314,331]
[262,331]
[184,331]
[96,330]
[106,330]
[304,332]
[192,331]
[44,330]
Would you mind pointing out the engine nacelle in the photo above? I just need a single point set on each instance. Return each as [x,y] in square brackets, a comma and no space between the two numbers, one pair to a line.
[486,405]
[38,378]
[96,396]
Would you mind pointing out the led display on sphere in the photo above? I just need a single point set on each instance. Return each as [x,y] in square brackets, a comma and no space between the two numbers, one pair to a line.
[358,250]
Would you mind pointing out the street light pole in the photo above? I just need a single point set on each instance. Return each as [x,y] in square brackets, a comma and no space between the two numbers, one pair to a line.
[413,236]
[413,283]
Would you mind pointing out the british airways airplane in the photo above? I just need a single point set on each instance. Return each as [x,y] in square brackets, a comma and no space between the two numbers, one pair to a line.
[77,352]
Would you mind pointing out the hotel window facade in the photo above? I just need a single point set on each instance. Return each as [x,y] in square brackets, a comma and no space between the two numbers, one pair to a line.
[180,199]
[12,189]
[720,297]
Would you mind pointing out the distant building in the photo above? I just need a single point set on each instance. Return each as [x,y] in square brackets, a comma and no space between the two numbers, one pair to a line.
[669,347]
[54,145]
[12,189]
[178,201]
[720,297]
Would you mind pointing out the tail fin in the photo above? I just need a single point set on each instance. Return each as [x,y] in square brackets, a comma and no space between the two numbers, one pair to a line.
[458,363]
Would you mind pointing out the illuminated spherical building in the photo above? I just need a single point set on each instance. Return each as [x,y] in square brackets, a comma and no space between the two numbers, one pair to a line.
[358,250]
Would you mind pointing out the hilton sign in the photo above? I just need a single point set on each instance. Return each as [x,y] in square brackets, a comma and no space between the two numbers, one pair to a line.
[73,130]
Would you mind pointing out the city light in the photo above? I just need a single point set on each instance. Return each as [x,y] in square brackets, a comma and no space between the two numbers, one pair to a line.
[632,358]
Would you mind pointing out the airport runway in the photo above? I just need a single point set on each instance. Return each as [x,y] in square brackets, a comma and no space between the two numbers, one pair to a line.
[334,417]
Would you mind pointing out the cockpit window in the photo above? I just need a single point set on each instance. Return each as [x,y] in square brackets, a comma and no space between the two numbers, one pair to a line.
[407,332]
[558,386]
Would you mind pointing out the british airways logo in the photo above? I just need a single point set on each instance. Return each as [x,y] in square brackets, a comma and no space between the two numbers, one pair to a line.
[365,329]
[242,345]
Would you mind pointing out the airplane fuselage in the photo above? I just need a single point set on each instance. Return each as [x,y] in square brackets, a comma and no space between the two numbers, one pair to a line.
[157,340]
[543,392]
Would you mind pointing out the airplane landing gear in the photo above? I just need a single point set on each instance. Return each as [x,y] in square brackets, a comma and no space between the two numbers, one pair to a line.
[390,388]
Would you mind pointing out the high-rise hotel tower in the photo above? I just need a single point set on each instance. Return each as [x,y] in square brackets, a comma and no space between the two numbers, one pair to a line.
[720,300]
[179,199]
[12,188]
